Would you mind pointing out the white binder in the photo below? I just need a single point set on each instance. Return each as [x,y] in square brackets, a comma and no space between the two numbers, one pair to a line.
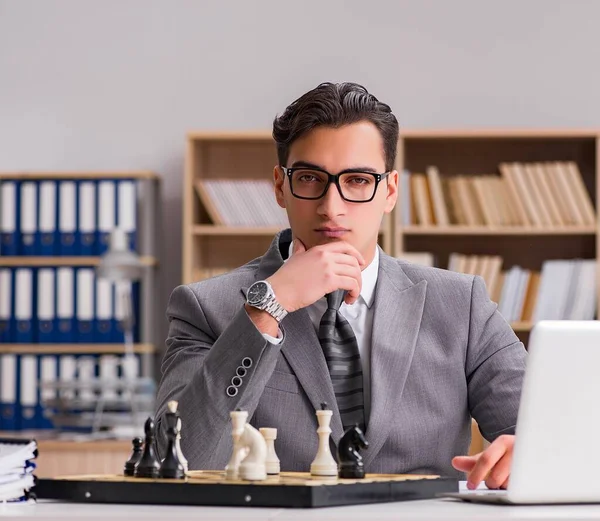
[46,312]
[24,305]
[5,305]
[67,217]
[28,394]
[47,223]
[85,304]
[106,212]
[65,308]
[87,217]
[8,218]
[28,215]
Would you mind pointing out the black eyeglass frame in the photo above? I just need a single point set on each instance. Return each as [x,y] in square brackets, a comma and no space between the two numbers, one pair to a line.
[333,179]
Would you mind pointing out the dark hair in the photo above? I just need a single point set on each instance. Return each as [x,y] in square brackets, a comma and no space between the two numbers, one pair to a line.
[335,105]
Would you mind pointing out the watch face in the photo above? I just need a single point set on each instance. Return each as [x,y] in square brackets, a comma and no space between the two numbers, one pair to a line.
[257,292]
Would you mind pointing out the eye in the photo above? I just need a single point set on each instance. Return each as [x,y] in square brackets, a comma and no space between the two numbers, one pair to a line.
[308,178]
[359,180]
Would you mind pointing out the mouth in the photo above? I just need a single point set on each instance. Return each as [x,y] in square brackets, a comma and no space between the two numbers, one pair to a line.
[332,232]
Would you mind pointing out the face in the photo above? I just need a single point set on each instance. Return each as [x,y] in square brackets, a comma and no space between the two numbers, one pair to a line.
[331,218]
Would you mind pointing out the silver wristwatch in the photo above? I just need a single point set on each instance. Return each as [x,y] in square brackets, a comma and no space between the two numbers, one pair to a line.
[261,296]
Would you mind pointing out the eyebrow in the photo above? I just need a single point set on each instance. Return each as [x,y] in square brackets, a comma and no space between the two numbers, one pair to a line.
[306,164]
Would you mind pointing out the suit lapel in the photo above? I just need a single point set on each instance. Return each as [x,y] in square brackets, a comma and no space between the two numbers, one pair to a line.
[301,346]
[398,308]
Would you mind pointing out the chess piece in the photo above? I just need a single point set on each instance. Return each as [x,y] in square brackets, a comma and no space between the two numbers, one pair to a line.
[324,464]
[136,455]
[148,466]
[171,467]
[350,464]
[180,455]
[252,467]
[271,461]
[238,420]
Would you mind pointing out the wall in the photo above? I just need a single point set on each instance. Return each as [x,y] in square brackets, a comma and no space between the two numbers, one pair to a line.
[116,84]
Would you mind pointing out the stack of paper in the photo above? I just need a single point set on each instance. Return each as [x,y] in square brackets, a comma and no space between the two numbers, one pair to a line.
[16,469]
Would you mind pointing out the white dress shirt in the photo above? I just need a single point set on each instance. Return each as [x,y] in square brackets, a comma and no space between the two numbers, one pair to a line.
[360,317]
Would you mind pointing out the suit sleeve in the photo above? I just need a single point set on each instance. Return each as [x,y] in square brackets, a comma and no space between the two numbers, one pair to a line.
[495,366]
[197,370]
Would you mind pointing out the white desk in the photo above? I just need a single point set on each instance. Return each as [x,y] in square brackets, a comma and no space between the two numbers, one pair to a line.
[433,509]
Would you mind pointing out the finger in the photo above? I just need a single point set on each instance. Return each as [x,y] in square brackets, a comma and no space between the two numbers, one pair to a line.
[343,258]
[486,461]
[499,474]
[343,247]
[504,485]
[464,463]
[343,270]
[298,247]
[349,284]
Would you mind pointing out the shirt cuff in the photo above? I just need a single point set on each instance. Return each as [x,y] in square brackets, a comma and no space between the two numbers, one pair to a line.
[272,339]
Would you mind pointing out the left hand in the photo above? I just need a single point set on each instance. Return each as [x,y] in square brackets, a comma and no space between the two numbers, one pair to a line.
[493,464]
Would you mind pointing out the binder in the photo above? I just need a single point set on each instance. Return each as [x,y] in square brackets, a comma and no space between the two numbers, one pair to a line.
[28,218]
[24,291]
[6,301]
[48,219]
[28,395]
[104,311]
[65,305]
[107,211]
[8,392]
[9,208]
[109,373]
[123,293]
[87,230]
[67,217]
[67,370]
[85,305]
[86,372]
[48,374]
[46,306]
[127,211]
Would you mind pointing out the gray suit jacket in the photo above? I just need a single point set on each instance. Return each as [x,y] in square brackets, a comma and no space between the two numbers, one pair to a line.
[441,353]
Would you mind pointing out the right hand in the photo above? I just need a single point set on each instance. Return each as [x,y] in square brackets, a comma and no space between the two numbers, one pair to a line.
[310,274]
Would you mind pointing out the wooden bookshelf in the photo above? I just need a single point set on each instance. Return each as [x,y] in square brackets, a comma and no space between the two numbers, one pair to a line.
[229,155]
[477,152]
[27,261]
[73,349]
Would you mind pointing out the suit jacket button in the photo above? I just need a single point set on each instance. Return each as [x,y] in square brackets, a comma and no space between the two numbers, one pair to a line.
[247,362]
[236,381]
[241,371]
[232,391]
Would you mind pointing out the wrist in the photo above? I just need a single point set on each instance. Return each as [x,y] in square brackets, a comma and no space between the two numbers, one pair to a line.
[263,321]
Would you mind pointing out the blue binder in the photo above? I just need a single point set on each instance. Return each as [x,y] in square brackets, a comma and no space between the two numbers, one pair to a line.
[127,210]
[87,230]
[67,217]
[48,374]
[65,305]
[6,305]
[28,220]
[107,213]
[24,306]
[105,315]
[8,392]
[28,391]
[48,219]
[9,218]
[84,306]
[46,306]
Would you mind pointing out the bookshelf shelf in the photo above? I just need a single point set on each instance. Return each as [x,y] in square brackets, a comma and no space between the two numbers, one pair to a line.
[64,261]
[522,327]
[51,349]
[134,174]
[488,230]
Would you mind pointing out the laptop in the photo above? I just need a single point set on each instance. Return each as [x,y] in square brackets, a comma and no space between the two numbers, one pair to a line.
[556,456]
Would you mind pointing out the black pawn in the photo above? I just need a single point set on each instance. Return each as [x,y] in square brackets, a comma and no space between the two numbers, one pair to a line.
[171,467]
[148,465]
[134,458]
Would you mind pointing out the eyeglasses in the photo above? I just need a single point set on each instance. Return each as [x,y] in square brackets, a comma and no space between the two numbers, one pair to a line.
[312,183]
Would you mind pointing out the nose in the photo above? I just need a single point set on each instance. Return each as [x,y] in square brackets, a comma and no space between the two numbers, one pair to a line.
[331,204]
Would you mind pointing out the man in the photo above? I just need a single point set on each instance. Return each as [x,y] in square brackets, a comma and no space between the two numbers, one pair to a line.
[410,354]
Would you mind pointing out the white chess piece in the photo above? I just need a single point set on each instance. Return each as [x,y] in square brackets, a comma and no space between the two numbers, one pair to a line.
[178,447]
[324,464]
[272,461]
[252,467]
[238,421]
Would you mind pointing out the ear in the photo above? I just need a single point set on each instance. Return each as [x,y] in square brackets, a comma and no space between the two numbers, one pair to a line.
[392,191]
[279,180]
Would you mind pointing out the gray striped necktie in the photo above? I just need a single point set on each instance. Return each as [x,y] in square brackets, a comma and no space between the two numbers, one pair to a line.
[343,360]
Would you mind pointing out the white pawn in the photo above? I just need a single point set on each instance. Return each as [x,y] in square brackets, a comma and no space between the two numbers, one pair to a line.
[324,464]
[252,467]
[180,455]
[238,420]
[272,461]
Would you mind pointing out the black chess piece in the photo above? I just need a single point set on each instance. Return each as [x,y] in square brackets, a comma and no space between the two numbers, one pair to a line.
[171,467]
[148,466]
[350,462]
[135,457]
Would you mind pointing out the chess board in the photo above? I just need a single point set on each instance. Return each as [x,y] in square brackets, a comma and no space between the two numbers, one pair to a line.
[287,490]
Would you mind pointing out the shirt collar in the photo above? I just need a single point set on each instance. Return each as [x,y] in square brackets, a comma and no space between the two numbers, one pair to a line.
[369,277]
